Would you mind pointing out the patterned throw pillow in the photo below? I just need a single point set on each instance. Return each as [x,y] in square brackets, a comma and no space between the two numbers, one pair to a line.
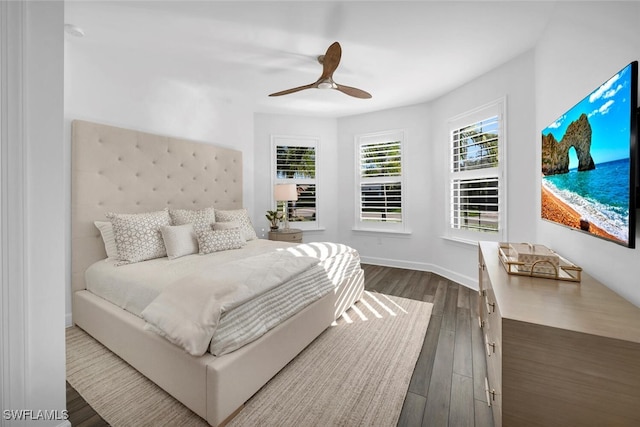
[227,225]
[201,219]
[220,240]
[138,236]
[180,240]
[241,217]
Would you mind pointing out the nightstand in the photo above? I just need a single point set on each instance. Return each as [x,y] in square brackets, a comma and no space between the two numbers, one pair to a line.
[293,235]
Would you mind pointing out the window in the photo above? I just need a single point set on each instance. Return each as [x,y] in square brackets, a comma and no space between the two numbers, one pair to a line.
[295,162]
[380,182]
[476,188]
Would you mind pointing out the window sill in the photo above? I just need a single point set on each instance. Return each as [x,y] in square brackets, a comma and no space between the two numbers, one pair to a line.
[460,240]
[312,230]
[375,231]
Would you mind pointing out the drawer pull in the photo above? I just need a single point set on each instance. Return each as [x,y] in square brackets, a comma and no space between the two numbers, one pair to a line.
[486,390]
[491,307]
[491,347]
[481,322]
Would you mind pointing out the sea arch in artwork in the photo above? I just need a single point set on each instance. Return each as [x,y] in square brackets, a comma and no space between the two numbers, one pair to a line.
[555,155]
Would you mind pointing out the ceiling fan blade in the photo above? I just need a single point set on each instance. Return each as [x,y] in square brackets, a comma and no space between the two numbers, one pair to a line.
[293,90]
[330,60]
[353,91]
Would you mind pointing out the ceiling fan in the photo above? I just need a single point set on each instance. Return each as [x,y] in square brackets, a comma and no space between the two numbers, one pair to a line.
[329,61]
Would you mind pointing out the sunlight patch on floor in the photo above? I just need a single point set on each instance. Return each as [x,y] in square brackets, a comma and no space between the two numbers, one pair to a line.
[390,301]
[371,306]
[376,299]
[359,313]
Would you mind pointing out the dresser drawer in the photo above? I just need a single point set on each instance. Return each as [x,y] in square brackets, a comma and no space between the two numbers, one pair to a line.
[492,314]
[493,354]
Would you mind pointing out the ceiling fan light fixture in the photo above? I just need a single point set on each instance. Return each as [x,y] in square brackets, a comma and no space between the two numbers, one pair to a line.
[326,84]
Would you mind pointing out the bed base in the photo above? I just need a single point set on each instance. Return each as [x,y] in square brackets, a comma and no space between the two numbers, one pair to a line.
[213,387]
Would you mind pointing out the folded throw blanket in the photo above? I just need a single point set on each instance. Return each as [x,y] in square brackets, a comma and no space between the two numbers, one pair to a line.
[187,311]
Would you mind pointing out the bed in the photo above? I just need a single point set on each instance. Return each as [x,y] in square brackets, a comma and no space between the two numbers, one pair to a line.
[127,171]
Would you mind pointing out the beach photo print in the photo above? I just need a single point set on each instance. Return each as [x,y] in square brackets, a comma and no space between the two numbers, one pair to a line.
[586,162]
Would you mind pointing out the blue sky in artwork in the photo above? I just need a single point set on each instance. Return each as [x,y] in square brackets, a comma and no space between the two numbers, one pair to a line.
[607,108]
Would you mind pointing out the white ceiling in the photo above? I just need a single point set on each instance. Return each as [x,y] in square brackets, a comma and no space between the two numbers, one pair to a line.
[401,52]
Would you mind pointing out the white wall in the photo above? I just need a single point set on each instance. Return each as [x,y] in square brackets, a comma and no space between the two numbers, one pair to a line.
[426,161]
[267,125]
[144,91]
[578,52]
[33,210]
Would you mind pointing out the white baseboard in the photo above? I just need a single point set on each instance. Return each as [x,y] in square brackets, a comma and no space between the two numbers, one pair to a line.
[68,320]
[469,282]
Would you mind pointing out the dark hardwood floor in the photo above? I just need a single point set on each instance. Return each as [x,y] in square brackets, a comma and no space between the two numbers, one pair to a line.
[447,387]
[80,413]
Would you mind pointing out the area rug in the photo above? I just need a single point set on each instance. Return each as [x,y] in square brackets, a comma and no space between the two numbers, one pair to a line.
[356,373]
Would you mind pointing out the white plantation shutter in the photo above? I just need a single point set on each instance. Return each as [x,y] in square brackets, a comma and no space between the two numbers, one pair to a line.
[380,181]
[476,191]
[475,204]
[295,162]
[381,202]
[475,146]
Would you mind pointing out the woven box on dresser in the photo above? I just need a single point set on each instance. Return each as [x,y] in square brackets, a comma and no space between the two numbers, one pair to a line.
[536,258]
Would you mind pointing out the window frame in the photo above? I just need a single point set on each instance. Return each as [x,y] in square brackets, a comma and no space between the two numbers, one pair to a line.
[468,118]
[382,226]
[296,141]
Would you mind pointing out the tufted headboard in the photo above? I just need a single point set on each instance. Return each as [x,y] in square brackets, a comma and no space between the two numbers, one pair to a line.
[126,171]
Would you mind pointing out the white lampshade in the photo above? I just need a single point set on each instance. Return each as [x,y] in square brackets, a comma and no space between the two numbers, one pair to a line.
[282,192]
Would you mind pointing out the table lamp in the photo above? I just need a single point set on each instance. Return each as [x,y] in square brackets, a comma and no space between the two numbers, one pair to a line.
[285,193]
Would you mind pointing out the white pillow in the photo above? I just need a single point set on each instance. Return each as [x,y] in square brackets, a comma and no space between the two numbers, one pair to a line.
[180,240]
[138,236]
[201,219]
[241,217]
[220,240]
[108,238]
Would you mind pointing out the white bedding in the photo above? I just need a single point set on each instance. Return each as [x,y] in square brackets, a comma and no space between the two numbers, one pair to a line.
[187,311]
[133,287]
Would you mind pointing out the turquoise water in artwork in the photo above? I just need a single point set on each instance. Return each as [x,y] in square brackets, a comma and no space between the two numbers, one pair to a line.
[600,195]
